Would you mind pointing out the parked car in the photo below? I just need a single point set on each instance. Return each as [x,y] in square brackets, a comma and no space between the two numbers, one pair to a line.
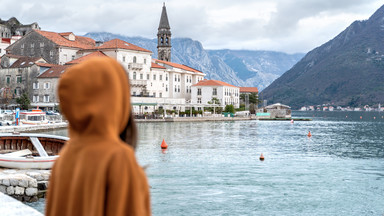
[51,113]
[8,112]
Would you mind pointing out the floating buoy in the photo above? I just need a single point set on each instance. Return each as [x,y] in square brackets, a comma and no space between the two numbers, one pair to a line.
[346,116]
[292,121]
[309,134]
[261,157]
[361,117]
[164,145]
[374,117]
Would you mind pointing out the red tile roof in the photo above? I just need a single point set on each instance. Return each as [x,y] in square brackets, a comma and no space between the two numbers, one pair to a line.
[24,62]
[249,89]
[45,64]
[80,41]
[180,66]
[120,44]
[212,83]
[154,65]
[94,54]
[54,72]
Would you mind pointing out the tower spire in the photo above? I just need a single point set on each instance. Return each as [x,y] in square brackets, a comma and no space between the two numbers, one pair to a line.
[164,37]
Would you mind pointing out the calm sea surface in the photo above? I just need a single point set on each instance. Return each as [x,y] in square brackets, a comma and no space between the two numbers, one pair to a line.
[213,168]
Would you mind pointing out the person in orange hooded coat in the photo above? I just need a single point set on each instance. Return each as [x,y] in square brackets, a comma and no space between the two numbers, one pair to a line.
[97,172]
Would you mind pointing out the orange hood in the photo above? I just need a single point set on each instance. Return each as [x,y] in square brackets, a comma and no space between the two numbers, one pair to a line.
[95,98]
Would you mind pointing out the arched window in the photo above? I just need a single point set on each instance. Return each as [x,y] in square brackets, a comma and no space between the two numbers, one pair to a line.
[166,41]
[134,59]
[162,40]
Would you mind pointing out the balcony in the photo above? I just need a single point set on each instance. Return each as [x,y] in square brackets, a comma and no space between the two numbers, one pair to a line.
[138,83]
[135,66]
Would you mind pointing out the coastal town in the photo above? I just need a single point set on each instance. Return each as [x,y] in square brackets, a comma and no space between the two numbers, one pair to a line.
[33,60]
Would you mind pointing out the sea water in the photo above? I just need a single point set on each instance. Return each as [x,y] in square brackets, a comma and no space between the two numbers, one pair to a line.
[213,168]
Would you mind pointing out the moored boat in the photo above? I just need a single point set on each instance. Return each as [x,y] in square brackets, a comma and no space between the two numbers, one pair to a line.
[29,151]
[34,117]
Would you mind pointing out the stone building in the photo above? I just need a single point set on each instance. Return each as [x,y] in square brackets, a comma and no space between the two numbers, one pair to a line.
[13,27]
[18,76]
[56,48]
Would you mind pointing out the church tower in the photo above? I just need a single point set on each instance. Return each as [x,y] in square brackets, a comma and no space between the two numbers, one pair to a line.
[164,37]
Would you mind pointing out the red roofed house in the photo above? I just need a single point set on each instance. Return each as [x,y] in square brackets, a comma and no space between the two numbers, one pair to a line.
[205,90]
[56,48]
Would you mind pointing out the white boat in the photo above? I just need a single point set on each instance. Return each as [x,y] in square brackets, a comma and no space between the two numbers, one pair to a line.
[29,151]
[34,117]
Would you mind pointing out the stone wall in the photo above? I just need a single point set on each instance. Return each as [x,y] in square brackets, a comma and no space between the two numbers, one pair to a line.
[35,45]
[24,185]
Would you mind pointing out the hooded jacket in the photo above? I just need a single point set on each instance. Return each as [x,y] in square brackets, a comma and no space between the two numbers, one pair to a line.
[96,173]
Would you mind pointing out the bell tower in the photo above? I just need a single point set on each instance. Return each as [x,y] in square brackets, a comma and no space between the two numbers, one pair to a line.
[164,37]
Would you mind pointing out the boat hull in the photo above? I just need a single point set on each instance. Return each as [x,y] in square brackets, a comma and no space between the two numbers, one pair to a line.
[16,142]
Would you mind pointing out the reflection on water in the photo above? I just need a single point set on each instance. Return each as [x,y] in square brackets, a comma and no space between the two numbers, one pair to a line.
[212,168]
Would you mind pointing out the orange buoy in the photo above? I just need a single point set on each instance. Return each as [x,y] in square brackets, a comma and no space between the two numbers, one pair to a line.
[164,145]
[309,134]
[261,157]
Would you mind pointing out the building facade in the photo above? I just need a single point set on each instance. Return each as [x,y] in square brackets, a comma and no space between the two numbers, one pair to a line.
[205,90]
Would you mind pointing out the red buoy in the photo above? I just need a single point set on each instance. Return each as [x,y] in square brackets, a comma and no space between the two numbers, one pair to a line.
[261,157]
[309,134]
[164,145]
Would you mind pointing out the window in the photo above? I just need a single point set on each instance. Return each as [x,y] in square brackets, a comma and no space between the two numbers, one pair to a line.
[18,79]
[73,57]
[123,58]
[175,78]
[166,77]
[134,93]
[8,79]
[154,94]
[178,79]
[199,100]
[160,94]
[166,88]
[175,88]
[134,75]
[46,98]
[47,85]
[41,44]
[178,88]
[134,59]
[198,91]
[51,53]
[35,98]
[214,91]
[18,91]
[161,77]
[147,76]
[141,76]
[22,46]
[36,85]
[145,61]
[154,76]
[32,45]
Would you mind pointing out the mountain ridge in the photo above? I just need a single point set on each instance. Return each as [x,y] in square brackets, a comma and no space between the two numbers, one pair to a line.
[347,70]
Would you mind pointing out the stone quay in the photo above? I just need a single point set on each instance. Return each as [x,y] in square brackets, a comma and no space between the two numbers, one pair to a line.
[24,185]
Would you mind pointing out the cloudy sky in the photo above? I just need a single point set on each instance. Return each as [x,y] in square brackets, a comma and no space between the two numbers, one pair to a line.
[280,25]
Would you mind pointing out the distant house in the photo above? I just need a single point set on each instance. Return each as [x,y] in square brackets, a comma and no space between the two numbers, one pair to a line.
[205,90]
[18,74]
[13,27]
[56,48]
[279,110]
[44,89]
[248,90]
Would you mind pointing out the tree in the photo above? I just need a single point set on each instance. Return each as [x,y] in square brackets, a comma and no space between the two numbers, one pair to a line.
[229,108]
[23,101]
[217,109]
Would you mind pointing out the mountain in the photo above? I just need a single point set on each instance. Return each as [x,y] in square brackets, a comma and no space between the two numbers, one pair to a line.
[348,70]
[237,67]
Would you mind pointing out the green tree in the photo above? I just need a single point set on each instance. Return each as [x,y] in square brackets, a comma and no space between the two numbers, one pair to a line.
[23,101]
[229,108]
[218,109]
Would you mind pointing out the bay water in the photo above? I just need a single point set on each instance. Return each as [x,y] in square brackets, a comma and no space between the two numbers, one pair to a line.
[213,168]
